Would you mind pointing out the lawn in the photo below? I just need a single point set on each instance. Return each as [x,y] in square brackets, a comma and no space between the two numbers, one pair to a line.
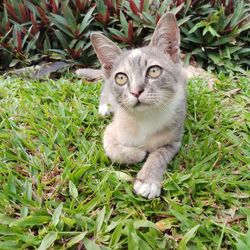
[58,190]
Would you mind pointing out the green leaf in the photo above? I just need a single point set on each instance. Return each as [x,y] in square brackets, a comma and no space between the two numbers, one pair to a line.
[243,243]
[59,19]
[4,219]
[116,32]
[56,215]
[26,36]
[244,27]
[197,26]
[220,41]
[59,52]
[116,235]
[9,244]
[86,20]
[193,39]
[30,221]
[211,31]
[215,58]
[48,240]
[165,224]
[61,23]
[76,239]
[5,16]
[46,44]
[73,190]
[90,244]
[80,45]
[31,44]
[11,185]
[164,6]
[177,9]
[62,39]
[70,18]
[150,19]
[133,239]
[144,223]
[101,7]
[180,217]
[124,23]
[27,190]
[183,20]
[123,176]
[187,237]
[199,52]
[100,219]
[237,14]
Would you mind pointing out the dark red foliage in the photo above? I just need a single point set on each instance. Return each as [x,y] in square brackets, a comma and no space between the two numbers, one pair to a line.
[34,24]
[11,11]
[19,41]
[81,5]
[75,54]
[141,5]
[104,19]
[52,6]
[24,13]
[134,7]
[110,6]
[157,17]
[43,15]
[120,38]
[130,32]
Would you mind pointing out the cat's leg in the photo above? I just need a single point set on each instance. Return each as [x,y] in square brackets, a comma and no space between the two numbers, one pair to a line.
[118,152]
[105,105]
[149,178]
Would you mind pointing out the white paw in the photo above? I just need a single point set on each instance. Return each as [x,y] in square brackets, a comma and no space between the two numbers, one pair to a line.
[149,190]
[104,110]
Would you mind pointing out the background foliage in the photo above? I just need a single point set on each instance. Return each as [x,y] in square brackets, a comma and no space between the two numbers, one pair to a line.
[215,33]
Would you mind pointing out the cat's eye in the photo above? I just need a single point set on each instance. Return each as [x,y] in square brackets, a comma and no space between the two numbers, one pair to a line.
[121,79]
[154,71]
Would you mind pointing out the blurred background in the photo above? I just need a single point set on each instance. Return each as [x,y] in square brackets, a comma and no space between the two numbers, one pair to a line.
[215,34]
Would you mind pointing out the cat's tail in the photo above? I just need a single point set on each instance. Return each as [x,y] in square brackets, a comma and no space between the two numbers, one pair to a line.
[90,74]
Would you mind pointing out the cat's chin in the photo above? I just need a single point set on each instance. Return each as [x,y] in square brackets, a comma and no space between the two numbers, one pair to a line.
[140,107]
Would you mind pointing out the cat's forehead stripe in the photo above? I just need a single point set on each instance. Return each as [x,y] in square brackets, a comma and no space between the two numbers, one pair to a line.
[135,53]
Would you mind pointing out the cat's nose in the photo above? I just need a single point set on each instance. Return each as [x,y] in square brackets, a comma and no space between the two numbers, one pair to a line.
[136,93]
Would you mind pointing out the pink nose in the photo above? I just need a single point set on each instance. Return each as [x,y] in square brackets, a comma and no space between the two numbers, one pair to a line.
[137,93]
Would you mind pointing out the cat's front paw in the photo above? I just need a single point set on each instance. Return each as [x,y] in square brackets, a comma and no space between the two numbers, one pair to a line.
[146,188]
[104,110]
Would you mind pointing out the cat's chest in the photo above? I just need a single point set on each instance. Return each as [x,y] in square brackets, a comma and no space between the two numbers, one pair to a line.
[139,132]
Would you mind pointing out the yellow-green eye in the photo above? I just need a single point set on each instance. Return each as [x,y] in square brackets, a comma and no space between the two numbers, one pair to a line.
[121,79]
[154,71]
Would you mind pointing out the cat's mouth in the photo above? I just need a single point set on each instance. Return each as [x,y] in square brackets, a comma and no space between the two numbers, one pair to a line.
[140,104]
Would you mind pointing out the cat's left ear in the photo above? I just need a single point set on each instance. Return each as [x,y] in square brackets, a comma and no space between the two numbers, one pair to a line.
[167,36]
[106,51]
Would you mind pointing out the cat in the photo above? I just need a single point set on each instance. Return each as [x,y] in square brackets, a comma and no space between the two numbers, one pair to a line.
[146,90]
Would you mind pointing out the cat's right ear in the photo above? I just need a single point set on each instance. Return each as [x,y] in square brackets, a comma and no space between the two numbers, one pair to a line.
[166,36]
[106,51]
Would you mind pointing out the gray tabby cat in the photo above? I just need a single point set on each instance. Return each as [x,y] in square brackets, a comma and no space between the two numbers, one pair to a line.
[145,88]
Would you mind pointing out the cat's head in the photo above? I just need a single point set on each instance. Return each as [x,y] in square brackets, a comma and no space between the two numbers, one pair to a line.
[143,78]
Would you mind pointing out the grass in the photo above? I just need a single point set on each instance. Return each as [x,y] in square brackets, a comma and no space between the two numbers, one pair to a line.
[59,190]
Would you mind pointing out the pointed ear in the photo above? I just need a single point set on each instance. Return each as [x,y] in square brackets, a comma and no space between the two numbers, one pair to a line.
[167,36]
[106,51]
